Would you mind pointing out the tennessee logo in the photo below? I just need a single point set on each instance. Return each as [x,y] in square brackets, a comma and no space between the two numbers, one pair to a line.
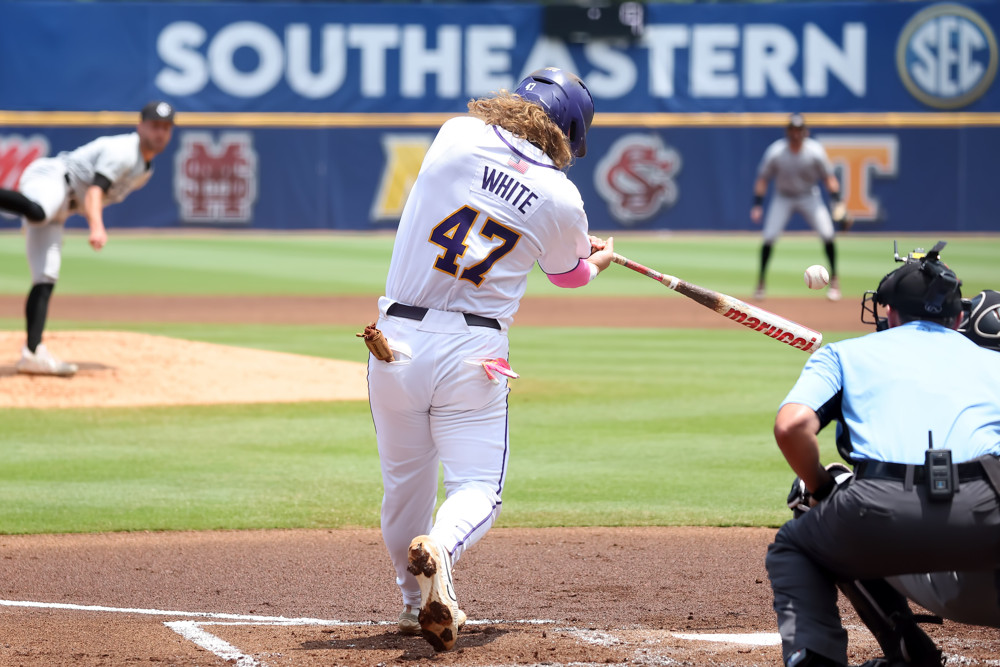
[947,56]
[16,153]
[862,160]
[216,181]
[636,177]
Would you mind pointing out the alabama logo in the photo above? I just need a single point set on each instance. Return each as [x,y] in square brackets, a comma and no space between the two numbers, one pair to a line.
[216,181]
[16,153]
[636,177]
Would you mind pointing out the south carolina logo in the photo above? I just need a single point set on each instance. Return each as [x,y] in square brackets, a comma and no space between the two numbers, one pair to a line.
[947,56]
[636,177]
[216,181]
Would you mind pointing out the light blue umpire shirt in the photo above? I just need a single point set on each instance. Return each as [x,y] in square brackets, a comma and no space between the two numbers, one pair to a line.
[896,385]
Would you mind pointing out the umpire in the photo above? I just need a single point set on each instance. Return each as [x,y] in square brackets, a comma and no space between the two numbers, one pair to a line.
[919,407]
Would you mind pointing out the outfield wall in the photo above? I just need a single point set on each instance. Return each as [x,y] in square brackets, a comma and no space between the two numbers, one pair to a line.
[316,116]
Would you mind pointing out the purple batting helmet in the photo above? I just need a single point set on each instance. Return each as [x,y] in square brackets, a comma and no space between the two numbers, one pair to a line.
[565,99]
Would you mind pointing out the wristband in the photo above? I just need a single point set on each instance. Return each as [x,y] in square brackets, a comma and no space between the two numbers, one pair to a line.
[758,200]
[822,492]
[835,196]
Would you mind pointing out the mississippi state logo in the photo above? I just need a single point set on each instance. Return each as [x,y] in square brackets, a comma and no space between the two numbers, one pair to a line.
[947,56]
[216,181]
[636,177]
[16,153]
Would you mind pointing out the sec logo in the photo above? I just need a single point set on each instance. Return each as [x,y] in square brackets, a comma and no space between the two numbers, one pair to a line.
[947,56]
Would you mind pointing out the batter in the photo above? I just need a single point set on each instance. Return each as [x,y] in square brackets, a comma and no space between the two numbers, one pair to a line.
[491,200]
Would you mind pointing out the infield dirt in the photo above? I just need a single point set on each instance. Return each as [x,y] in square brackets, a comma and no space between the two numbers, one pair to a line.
[558,596]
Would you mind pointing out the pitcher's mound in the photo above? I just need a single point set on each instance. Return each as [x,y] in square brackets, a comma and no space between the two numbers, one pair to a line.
[131,369]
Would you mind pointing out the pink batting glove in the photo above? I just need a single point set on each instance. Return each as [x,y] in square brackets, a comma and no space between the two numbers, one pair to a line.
[494,367]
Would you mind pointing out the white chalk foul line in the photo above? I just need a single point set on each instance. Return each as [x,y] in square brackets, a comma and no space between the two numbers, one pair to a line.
[165,612]
[194,631]
[753,639]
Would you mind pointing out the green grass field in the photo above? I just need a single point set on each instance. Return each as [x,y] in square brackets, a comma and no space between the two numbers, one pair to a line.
[608,426]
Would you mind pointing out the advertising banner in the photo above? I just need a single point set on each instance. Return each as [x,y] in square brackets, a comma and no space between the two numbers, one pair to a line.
[317,116]
[392,58]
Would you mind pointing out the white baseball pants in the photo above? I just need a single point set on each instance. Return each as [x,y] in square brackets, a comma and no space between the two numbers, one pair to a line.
[810,207]
[966,597]
[44,182]
[434,405]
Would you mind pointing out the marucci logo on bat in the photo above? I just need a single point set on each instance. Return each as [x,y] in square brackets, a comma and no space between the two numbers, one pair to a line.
[770,330]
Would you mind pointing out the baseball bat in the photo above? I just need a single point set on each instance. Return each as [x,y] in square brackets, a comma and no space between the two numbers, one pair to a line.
[773,326]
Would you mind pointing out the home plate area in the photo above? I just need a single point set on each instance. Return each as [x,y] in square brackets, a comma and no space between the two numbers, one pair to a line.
[499,643]
[481,643]
[691,596]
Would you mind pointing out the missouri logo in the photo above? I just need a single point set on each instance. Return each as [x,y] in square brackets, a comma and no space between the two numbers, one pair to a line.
[403,155]
[947,56]
[216,181]
[636,177]
[16,153]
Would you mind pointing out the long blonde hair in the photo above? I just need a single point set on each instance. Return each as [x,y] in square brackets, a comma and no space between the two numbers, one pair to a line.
[525,120]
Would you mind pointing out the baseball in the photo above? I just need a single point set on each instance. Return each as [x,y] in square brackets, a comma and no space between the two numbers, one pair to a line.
[816,277]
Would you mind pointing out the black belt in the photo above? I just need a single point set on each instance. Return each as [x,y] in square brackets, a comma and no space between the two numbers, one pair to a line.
[417,313]
[967,472]
[71,196]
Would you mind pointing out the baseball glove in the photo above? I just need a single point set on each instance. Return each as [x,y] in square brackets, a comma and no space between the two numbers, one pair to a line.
[981,319]
[376,343]
[842,220]
[800,500]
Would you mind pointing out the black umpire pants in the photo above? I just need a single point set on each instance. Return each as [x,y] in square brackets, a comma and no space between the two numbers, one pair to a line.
[871,529]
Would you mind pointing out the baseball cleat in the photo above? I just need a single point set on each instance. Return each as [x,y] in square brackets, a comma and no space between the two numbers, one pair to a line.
[833,291]
[440,618]
[409,623]
[41,362]
[758,294]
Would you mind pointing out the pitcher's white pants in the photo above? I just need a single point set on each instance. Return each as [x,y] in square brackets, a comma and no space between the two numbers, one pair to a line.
[44,183]
[433,405]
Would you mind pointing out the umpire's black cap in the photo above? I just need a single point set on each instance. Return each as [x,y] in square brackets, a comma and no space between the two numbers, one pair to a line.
[796,121]
[923,288]
[157,110]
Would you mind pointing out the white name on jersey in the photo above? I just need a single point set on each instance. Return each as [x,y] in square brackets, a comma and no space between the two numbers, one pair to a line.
[503,187]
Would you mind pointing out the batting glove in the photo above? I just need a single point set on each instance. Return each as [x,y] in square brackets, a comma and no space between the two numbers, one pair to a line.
[494,367]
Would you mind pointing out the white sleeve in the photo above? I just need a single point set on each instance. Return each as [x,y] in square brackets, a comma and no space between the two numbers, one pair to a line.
[566,242]
[115,159]
[766,169]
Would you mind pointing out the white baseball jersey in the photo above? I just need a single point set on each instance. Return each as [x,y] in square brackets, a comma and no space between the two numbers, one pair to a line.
[59,184]
[486,206]
[116,157]
[796,177]
[795,174]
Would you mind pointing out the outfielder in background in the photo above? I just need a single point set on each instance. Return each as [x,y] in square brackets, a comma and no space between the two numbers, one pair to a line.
[82,181]
[491,199]
[796,164]
[918,407]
